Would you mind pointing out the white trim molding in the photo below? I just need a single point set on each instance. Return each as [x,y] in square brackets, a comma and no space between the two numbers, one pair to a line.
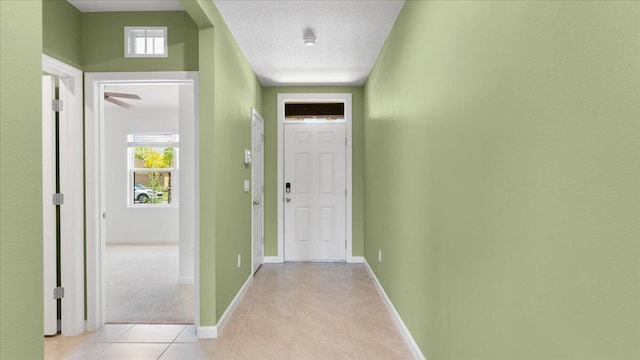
[212,332]
[72,226]
[207,332]
[94,183]
[231,308]
[273,260]
[355,259]
[346,98]
[415,350]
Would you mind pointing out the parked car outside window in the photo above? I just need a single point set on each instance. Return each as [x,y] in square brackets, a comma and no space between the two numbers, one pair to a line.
[143,194]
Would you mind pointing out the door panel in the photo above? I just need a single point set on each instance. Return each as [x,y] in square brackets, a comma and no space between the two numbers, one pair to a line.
[315,205]
[257,181]
[327,224]
[326,175]
[302,224]
[48,209]
[302,168]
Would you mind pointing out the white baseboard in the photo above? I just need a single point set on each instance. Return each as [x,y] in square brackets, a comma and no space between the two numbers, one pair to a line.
[415,350]
[89,327]
[273,260]
[279,260]
[211,332]
[185,281]
[234,303]
[207,332]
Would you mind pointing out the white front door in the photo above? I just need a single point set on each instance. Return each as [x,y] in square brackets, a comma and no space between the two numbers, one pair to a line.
[257,196]
[49,221]
[314,192]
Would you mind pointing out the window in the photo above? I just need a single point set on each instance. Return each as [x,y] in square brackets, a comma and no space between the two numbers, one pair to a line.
[153,169]
[145,41]
[322,112]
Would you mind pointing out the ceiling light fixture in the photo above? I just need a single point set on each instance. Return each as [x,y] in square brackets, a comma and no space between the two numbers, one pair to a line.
[309,38]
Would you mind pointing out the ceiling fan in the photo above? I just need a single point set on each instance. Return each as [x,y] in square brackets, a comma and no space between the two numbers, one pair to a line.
[111,97]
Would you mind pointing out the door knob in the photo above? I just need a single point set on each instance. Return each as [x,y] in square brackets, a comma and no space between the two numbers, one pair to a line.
[256,202]
[288,199]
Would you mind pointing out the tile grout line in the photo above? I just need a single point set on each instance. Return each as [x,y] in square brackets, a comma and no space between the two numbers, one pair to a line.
[121,335]
[164,351]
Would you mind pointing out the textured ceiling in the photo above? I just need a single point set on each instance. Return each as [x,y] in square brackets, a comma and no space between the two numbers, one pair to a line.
[126,5]
[349,35]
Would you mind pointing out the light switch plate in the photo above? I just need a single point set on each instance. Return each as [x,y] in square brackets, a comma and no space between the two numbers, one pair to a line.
[247,156]
[247,186]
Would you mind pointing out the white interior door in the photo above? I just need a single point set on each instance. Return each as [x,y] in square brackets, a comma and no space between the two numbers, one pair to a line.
[48,209]
[314,192]
[257,181]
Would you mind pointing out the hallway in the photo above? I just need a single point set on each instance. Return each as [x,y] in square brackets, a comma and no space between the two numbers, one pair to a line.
[494,188]
[290,311]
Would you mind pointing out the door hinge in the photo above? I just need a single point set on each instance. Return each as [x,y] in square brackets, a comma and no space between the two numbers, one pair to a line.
[56,105]
[58,293]
[58,199]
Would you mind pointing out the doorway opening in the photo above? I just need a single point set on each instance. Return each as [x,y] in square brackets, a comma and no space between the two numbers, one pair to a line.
[143,282]
[141,198]
[314,178]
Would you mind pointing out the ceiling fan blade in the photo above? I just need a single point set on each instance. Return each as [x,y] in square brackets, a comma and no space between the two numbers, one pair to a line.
[118,102]
[122,95]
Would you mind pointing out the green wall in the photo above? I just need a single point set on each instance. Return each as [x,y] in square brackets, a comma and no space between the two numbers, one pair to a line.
[231,90]
[270,113]
[502,172]
[95,41]
[61,24]
[207,175]
[236,91]
[103,41]
[228,89]
[21,312]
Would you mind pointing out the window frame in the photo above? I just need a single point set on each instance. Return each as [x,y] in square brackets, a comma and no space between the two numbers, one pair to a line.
[129,51]
[132,170]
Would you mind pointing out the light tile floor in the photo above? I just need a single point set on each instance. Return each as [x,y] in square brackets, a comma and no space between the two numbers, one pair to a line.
[290,311]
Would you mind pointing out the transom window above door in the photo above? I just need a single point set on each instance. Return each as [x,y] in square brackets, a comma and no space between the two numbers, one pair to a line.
[318,112]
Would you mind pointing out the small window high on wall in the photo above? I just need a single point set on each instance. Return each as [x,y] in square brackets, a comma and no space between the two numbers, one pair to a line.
[153,169]
[145,41]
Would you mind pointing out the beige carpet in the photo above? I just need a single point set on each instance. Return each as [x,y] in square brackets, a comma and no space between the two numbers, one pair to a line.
[142,286]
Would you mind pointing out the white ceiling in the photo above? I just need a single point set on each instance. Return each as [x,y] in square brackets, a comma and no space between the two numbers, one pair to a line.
[350,35]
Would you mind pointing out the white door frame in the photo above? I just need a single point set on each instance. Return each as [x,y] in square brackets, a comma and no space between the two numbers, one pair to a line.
[256,115]
[49,228]
[71,186]
[318,98]
[95,172]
